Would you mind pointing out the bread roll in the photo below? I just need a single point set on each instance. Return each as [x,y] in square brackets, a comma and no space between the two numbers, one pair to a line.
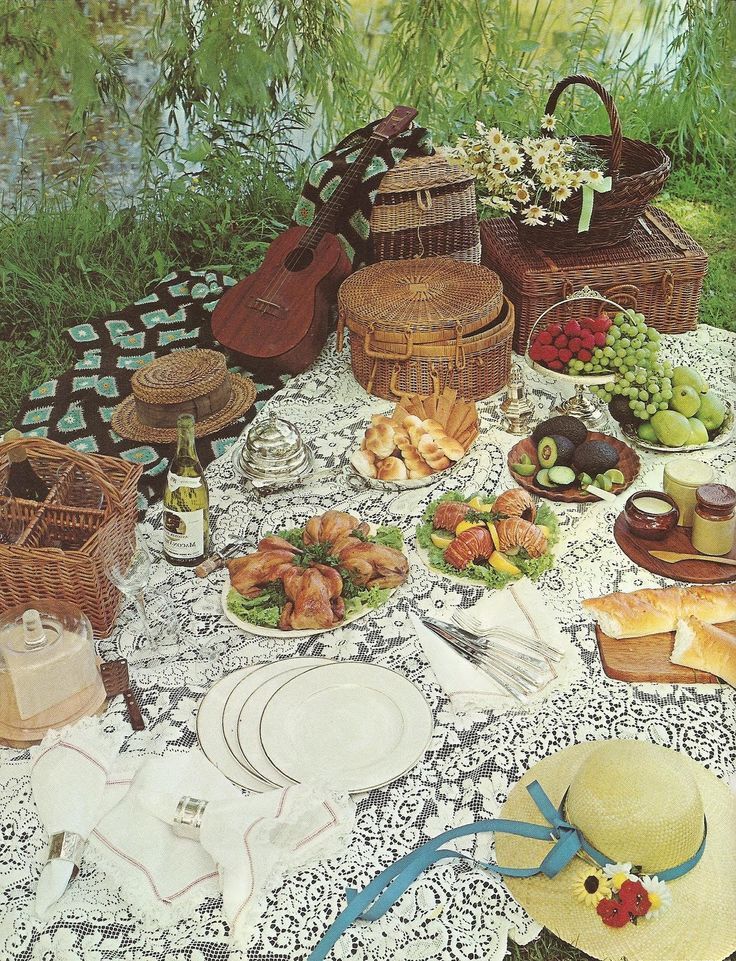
[653,611]
[706,648]
[380,440]
[433,426]
[432,453]
[392,469]
[401,439]
[448,445]
[416,464]
[364,461]
[416,432]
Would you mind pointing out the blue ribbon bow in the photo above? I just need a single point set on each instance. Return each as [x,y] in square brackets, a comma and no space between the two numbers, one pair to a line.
[387,887]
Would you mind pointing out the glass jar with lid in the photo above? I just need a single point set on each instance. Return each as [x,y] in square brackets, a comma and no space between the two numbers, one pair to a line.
[682,477]
[714,522]
[49,674]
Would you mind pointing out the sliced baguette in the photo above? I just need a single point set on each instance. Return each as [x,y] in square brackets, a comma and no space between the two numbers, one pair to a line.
[705,647]
[653,611]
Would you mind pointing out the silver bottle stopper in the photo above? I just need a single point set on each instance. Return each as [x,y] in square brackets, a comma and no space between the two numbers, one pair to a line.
[516,407]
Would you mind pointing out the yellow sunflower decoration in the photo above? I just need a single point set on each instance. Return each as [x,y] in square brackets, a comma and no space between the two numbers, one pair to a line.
[590,887]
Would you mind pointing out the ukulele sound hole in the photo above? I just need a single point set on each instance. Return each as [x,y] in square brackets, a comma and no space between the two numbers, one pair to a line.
[298,259]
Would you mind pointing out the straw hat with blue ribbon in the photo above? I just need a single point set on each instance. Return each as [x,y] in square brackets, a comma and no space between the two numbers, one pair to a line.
[625,849]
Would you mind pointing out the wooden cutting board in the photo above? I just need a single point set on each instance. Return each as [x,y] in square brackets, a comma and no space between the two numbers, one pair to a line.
[647,659]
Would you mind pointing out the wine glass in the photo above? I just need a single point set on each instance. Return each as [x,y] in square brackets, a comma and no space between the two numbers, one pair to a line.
[130,571]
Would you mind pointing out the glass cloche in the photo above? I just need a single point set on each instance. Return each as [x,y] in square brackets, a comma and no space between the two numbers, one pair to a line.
[272,453]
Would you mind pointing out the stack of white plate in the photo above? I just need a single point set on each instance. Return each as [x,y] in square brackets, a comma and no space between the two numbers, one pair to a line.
[352,725]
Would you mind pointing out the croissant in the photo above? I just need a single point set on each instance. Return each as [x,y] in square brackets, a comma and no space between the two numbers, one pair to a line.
[516,503]
[515,533]
[448,515]
[469,546]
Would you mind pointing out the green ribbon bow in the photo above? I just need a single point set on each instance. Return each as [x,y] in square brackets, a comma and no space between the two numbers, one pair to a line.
[601,187]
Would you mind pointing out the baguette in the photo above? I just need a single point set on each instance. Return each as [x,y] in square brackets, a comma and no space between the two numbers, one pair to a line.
[654,611]
[706,648]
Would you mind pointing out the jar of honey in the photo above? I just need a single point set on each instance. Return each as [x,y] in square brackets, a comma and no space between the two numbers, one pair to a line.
[714,521]
[681,479]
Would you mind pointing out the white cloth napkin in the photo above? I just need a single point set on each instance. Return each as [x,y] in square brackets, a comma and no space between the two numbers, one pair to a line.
[69,772]
[521,608]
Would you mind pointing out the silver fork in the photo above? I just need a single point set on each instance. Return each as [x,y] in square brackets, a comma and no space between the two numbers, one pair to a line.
[474,625]
[514,675]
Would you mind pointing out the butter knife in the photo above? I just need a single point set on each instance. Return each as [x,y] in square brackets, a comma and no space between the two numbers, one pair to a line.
[672,557]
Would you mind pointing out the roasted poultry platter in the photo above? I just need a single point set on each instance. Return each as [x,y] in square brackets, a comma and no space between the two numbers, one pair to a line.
[314,576]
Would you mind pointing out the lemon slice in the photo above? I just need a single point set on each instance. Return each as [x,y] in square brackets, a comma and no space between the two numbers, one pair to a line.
[545,530]
[442,541]
[466,526]
[502,564]
[494,534]
[477,504]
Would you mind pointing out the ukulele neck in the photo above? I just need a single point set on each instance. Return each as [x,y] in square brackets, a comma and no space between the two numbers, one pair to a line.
[324,221]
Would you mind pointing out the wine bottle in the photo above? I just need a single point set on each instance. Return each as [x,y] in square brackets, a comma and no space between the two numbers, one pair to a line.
[186,502]
[22,480]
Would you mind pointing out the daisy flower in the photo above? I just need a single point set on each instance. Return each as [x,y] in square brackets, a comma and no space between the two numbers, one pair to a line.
[594,176]
[561,193]
[540,159]
[495,137]
[514,161]
[590,887]
[618,873]
[522,194]
[576,179]
[548,121]
[480,127]
[559,217]
[534,215]
[555,146]
[548,180]
[660,897]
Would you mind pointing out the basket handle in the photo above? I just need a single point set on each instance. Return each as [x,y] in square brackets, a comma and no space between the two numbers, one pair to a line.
[398,392]
[87,464]
[617,144]
[387,355]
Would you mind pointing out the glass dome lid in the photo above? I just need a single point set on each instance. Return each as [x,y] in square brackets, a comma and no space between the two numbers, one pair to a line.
[273,451]
[38,624]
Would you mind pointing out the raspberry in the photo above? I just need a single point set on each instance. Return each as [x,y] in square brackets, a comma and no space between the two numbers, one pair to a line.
[602,323]
[575,344]
[587,323]
[561,341]
[587,340]
[565,355]
[554,330]
[548,353]
[572,328]
[535,352]
[555,365]
[584,355]
[544,338]
[600,338]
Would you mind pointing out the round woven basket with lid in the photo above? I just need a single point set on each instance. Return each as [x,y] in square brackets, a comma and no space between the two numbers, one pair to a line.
[398,304]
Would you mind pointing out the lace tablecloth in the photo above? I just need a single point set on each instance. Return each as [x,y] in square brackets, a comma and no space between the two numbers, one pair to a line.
[451,912]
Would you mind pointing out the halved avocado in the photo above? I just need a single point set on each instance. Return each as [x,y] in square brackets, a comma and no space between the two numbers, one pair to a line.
[524,470]
[547,452]
[543,480]
[562,476]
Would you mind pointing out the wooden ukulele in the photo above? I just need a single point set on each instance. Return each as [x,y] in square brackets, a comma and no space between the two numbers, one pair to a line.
[280,313]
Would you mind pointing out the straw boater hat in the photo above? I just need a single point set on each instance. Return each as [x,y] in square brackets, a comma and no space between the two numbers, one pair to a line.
[191,381]
[648,810]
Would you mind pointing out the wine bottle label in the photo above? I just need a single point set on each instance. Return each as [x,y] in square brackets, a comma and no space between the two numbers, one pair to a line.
[183,533]
[175,481]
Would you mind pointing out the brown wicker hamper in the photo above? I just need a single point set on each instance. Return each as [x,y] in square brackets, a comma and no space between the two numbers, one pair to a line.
[92,502]
[658,271]
[425,207]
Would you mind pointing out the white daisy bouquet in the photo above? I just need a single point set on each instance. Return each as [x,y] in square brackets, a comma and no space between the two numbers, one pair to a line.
[531,177]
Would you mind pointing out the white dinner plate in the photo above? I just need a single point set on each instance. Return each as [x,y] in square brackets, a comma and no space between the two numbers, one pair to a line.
[277,632]
[243,690]
[356,725]
[212,738]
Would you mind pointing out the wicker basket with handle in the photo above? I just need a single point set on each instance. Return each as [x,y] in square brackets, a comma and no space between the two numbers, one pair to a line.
[638,171]
[425,207]
[92,501]
[658,271]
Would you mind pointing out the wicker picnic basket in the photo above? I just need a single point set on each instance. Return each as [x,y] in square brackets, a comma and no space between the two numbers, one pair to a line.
[419,326]
[425,207]
[638,171]
[66,539]
[659,271]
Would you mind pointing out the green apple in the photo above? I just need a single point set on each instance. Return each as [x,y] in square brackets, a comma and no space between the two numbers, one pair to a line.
[647,432]
[689,377]
[712,410]
[672,429]
[698,433]
[685,400]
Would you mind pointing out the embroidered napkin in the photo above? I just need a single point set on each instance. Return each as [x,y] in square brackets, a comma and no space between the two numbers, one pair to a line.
[69,772]
[521,608]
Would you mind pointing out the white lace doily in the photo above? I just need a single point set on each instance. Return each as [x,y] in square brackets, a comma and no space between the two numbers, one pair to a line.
[451,912]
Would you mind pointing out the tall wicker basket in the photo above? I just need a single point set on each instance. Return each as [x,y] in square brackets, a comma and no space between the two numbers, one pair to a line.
[67,539]
[425,207]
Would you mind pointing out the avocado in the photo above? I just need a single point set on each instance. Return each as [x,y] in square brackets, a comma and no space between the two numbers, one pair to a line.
[595,457]
[620,411]
[562,476]
[555,451]
[542,478]
[563,426]
[523,470]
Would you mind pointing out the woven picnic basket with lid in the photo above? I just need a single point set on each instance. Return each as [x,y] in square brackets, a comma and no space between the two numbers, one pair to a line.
[638,171]
[419,326]
[65,541]
[425,207]
[659,271]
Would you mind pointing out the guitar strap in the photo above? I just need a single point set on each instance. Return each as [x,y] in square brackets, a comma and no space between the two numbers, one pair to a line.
[353,223]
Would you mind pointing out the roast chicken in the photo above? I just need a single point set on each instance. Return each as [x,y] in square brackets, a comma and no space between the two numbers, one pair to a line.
[314,590]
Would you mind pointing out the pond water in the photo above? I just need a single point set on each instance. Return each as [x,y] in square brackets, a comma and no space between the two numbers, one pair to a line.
[34,139]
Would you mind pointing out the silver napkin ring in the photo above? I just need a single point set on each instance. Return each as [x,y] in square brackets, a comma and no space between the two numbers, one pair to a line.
[188,818]
[66,846]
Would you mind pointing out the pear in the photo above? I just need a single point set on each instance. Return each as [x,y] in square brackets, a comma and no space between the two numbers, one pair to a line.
[698,433]
[689,377]
[712,410]
[672,429]
[685,400]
